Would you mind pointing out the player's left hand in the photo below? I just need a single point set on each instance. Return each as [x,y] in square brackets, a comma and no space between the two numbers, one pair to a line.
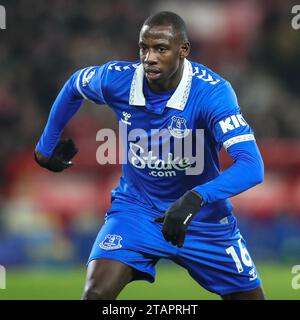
[178,217]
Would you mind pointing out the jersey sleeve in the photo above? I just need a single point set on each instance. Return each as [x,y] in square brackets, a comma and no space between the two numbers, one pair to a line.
[224,118]
[246,172]
[230,130]
[84,84]
[89,84]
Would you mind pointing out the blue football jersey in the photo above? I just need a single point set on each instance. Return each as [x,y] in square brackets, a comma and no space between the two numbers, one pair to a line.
[203,107]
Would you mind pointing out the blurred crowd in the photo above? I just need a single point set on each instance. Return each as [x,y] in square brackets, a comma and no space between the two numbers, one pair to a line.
[250,43]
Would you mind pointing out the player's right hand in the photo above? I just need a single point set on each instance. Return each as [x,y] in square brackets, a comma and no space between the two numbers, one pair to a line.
[61,157]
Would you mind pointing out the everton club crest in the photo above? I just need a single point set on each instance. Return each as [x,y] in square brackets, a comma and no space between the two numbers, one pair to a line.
[178,128]
[111,242]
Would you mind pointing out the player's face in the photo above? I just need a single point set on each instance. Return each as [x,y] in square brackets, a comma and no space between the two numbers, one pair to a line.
[162,55]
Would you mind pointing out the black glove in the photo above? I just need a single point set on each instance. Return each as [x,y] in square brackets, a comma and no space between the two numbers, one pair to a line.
[178,217]
[61,157]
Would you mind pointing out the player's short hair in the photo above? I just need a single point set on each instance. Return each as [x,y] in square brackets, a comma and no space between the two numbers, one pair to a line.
[168,18]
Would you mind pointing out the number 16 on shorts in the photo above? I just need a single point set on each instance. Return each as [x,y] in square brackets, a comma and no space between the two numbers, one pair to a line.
[246,259]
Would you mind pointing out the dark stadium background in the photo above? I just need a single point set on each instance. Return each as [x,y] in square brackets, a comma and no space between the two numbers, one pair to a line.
[48,222]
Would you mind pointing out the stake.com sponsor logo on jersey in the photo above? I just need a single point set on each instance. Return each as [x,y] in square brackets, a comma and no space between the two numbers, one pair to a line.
[143,156]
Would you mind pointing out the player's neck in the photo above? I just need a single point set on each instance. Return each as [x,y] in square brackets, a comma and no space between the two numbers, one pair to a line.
[168,84]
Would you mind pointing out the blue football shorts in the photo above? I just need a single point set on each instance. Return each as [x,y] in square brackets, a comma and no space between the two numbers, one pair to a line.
[214,254]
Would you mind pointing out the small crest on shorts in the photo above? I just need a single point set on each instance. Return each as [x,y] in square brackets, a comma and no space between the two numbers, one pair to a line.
[111,242]
[252,274]
[178,128]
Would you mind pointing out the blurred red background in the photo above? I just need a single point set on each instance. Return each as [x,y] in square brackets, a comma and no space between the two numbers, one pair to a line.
[250,43]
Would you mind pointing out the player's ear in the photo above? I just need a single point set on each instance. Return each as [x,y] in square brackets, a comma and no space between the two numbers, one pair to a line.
[184,49]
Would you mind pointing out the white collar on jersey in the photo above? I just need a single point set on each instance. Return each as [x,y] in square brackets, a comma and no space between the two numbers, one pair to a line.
[179,97]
